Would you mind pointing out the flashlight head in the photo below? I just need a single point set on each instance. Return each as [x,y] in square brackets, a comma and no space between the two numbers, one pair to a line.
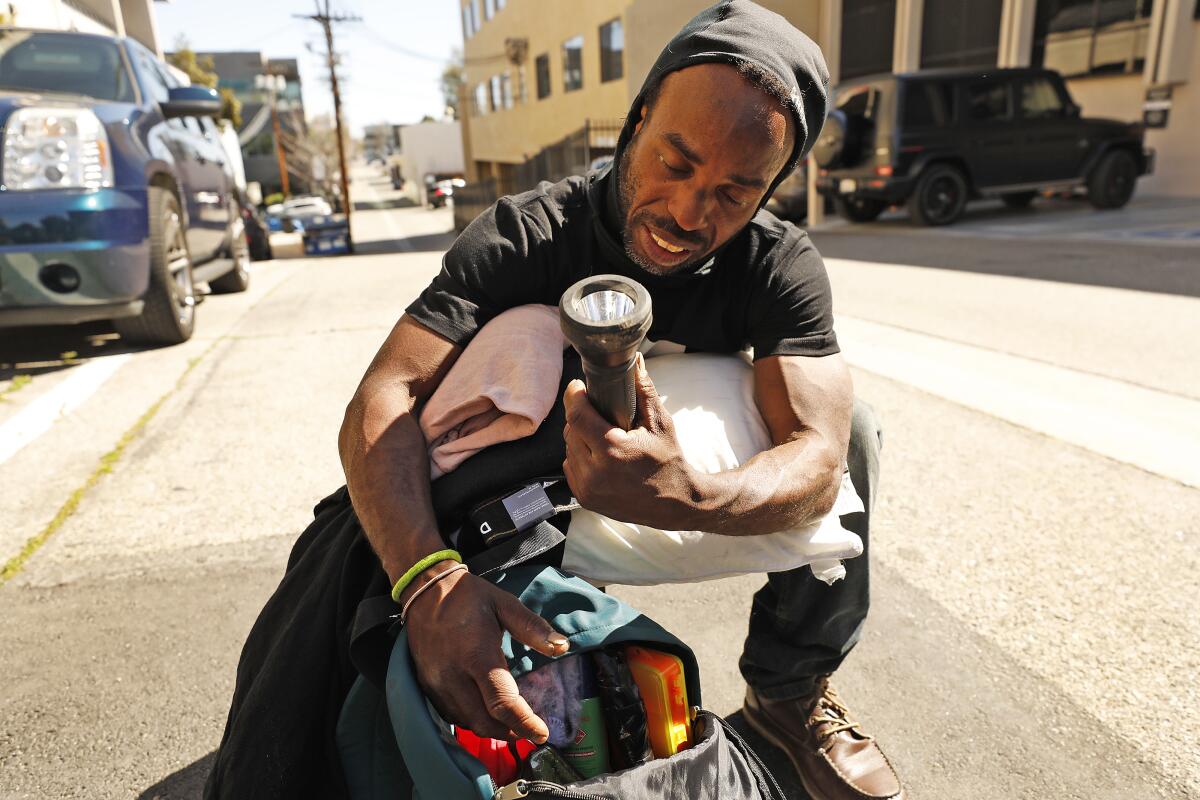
[605,317]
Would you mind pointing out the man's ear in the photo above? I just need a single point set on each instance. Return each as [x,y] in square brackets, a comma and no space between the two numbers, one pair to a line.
[641,120]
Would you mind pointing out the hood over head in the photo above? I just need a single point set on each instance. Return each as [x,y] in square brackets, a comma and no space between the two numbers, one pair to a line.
[741,32]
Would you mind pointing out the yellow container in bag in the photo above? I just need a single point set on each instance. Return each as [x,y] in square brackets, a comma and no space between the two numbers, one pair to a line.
[660,679]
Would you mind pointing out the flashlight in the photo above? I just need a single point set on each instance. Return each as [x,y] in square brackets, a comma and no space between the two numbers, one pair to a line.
[605,318]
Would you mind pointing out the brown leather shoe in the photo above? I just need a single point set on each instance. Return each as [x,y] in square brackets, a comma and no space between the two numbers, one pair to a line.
[835,760]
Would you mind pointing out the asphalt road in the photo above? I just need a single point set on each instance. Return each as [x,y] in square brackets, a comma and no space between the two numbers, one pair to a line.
[1033,631]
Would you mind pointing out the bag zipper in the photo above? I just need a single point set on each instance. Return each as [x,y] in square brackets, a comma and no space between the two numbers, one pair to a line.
[523,788]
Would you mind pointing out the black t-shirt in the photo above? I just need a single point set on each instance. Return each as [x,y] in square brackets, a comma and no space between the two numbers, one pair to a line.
[766,288]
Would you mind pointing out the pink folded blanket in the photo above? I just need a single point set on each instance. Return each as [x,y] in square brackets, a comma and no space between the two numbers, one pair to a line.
[500,389]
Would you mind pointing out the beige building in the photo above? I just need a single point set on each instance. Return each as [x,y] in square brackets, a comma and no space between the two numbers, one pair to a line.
[539,70]
[132,18]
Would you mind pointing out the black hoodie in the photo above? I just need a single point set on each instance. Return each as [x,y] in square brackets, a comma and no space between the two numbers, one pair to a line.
[738,31]
[766,288]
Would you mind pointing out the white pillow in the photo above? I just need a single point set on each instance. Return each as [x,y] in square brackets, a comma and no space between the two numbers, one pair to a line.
[711,400]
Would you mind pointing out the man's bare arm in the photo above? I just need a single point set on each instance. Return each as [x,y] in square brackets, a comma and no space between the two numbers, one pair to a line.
[384,455]
[454,628]
[641,476]
[806,404]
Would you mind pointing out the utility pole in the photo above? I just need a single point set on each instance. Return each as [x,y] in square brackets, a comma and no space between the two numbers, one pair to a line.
[326,21]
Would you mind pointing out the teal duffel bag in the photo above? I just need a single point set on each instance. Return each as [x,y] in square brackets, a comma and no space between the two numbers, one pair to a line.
[392,746]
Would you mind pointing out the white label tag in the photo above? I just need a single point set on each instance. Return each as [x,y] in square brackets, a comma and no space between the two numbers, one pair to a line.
[528,507]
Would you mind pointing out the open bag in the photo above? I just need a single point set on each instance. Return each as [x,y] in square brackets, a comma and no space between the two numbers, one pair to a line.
[392,743]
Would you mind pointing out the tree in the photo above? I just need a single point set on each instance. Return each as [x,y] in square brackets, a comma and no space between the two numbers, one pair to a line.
[452,81]
[202,72]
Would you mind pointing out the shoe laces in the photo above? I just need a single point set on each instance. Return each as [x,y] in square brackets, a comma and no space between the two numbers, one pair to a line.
[829,715]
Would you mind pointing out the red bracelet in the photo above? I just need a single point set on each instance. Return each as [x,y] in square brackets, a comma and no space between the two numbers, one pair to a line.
[417,593]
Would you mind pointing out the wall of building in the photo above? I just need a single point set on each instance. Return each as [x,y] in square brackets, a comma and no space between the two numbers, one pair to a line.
[653,23]
[1178,144]
[510,136]
[56,15]
[133,18]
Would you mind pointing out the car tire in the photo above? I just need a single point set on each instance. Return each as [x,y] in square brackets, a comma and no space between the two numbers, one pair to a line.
[859,209]
[940,195]
[1018,199]
[1112,181]
[169,314]
[238,278]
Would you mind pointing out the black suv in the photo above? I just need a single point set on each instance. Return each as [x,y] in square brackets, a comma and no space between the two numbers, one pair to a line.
[938,138]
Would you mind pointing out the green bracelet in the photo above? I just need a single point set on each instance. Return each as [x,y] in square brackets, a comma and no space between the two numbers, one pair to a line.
[419,567]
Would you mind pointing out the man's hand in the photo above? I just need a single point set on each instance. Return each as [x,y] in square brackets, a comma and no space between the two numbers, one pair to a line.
[454,633]
[637,476]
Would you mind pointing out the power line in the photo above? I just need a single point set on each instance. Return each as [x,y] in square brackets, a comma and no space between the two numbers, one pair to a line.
[383,41]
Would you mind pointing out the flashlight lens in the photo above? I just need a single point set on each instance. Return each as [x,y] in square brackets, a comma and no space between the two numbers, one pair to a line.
[605,305]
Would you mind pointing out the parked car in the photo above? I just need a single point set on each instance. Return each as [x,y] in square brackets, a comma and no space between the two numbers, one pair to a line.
[258,237]
[935,139]
[442,191]
[304,206]
[790,199]
[115,199]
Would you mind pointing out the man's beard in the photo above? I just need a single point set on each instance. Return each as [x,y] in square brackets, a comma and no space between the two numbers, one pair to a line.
[627,185]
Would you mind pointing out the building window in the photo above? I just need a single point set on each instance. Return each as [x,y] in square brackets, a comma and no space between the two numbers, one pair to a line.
[573,64]
[506,92]
[495,93]
[476,16]
[958,34]
[612,51]
[542,67]
[489,9]
[868,34]
[481,99]
[1091,37]
[499,4]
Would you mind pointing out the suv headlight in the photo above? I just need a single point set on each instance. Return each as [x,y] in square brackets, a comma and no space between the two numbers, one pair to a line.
[56,148]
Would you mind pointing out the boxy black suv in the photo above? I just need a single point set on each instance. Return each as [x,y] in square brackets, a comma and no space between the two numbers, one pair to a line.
[935,139]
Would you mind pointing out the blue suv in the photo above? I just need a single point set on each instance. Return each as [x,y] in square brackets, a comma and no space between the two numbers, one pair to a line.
[115,196]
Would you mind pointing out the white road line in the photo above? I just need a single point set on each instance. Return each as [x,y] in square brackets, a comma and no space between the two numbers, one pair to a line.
[1153,430]
[41,414]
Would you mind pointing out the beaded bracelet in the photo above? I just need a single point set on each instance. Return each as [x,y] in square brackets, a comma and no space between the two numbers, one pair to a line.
[419,567]
[417,593]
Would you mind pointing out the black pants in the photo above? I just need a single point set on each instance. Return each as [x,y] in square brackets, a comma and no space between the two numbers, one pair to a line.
[799,626]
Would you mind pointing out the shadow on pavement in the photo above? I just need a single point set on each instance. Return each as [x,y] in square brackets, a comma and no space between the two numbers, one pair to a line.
[185,783]
[189,781]
[779,764]
[39,350]
[1141,266]
[424,243]
[381,205]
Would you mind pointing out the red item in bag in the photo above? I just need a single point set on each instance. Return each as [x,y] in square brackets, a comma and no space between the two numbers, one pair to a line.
[495,754]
